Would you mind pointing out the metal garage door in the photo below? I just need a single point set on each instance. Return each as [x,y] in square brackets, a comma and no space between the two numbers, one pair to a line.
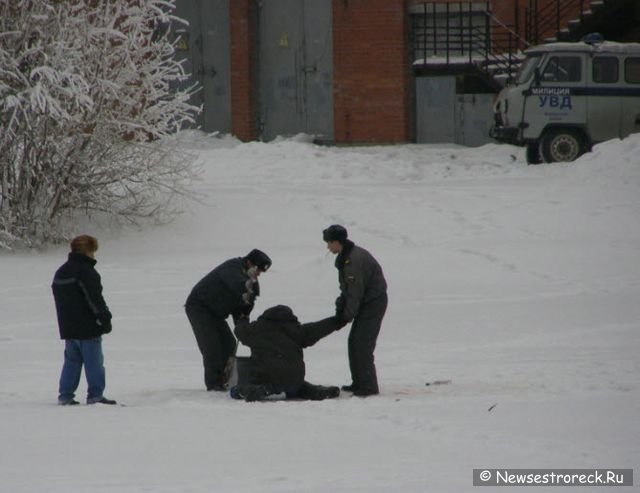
[204,46]
[443,116]
[295,68]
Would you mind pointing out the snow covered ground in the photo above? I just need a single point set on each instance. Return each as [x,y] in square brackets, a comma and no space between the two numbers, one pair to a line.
[520,284]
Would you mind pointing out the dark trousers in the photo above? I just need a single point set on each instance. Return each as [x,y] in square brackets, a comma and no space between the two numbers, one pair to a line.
[310,392]
[362,343]
[215,341]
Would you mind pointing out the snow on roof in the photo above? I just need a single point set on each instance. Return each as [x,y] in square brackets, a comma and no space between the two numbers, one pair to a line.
[581,47]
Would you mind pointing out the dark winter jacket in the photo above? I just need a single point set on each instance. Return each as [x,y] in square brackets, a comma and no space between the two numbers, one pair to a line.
[77,291]
[276,340]
[226,290]
[361,280]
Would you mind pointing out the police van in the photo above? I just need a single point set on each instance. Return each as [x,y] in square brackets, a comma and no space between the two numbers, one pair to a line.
[567,97]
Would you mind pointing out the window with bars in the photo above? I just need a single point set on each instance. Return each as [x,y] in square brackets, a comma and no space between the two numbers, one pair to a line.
[450,31]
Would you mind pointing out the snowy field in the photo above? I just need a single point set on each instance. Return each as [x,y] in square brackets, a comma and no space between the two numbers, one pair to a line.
[520,284]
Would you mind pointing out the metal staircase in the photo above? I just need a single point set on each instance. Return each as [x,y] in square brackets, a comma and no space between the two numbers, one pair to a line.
[569,20]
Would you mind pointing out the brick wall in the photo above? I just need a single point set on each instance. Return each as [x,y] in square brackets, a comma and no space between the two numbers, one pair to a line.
[243,88]
[509,13]
[371,71]
[505,11]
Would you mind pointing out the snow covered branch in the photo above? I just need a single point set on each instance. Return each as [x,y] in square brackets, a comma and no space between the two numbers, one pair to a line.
[88,93]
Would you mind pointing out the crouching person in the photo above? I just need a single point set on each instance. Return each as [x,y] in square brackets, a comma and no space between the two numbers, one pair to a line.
[276,365]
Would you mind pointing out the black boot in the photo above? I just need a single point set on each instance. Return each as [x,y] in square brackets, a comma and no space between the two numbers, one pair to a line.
[332,392]
[70,402]
[365,392]
[218,387]
[320,393]
[257,393]
[103,400]
[250,393]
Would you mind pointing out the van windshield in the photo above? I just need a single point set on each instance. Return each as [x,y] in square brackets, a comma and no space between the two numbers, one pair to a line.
[527,68]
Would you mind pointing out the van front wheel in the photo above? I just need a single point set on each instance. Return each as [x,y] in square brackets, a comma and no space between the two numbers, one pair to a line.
[562,145]
[533,153]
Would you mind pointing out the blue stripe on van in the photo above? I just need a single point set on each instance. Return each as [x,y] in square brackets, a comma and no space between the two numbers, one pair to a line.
[606,91]
[584,91]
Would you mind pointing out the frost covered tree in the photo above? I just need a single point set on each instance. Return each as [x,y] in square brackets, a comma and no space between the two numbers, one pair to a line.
[89,93]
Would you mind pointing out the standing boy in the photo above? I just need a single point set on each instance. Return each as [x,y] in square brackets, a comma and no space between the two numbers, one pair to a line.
[83,317]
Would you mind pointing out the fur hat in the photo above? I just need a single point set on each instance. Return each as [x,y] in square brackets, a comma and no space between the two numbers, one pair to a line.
[260,259]
[335,232]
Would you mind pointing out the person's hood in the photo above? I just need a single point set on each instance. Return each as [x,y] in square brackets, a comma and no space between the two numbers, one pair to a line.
[279,313]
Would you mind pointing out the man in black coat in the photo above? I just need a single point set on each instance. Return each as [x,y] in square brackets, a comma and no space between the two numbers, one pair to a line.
[83,317]
[363,301]
[229,289]
[277,340]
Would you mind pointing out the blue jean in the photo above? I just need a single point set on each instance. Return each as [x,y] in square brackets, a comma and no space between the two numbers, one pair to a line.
[79,352]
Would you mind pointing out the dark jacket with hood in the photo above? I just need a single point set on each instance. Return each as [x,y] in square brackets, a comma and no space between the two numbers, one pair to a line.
[226,290]
[361,280]
[276,340]
[77,291]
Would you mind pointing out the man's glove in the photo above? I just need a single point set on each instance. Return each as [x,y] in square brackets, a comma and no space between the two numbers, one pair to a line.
[105,324]
[340,305]
[338,322]
[240,316]
[242,313]
[247,309]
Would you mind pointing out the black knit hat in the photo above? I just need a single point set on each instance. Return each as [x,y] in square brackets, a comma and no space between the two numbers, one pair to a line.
[335,232]
[260,259]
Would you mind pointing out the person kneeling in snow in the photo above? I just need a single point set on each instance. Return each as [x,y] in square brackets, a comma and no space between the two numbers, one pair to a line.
[276,365]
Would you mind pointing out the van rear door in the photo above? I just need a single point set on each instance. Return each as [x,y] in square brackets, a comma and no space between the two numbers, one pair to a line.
[604,106]
[631,97]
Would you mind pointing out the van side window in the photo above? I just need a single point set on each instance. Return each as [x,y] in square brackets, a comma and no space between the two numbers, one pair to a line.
[605,69]
[563,69]
[632,70]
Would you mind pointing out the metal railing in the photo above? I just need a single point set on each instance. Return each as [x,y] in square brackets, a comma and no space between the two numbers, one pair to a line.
[464,32]
[469,32]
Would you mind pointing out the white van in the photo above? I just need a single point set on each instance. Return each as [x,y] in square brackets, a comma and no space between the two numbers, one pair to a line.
[569,96]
